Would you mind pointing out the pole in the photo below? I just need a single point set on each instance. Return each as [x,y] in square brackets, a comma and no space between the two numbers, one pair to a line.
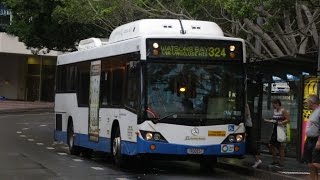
[318,68]
[40,78]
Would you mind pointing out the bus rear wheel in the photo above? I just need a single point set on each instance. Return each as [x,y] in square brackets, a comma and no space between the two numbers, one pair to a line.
[119,159]
[74,150]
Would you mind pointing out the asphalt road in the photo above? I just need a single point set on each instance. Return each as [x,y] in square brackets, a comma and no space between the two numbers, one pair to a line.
[28,151]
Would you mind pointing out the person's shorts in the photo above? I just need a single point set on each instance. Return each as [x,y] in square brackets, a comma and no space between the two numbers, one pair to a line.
[274,142]
[316,156]
[308,150]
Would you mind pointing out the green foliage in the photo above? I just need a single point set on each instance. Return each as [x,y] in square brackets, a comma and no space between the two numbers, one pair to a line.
[59,24]
[34,24]
[241,8]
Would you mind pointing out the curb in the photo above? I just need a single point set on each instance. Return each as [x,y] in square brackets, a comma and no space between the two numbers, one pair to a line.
[25,110]
[256,173]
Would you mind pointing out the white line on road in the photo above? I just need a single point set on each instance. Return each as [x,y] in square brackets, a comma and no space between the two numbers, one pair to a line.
[23,136]
[19,115]
[62,154]
[39,144]
[43,125]
[23,129]
[97,168]
[122,178]
[31,140]
[54,143]
[293,173]
[22,123]
[64,147]
[50,148]
[19,132]
[77,160]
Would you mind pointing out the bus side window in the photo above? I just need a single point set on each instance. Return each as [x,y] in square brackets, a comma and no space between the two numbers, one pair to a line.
[83,83]
[106,88]
[117,86]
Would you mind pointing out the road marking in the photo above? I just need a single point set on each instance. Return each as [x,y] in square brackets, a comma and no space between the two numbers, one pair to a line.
[23,129]
[30,140]
[62,154]
[54,143]
[64,147]
[50,148]
[293,173]
[19,132]
[97,168]
[43,125]
[23,136]
[122,178]
[18,115]
[39,144]
[77,160]
[22,123]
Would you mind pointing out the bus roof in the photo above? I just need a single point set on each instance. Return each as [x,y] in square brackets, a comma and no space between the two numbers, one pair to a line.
[160,27]
[127,38]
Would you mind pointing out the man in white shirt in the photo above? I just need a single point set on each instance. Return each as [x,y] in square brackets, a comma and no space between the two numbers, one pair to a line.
[311,154]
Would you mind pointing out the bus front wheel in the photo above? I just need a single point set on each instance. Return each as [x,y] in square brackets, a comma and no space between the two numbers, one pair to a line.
[119,159]
[74,150]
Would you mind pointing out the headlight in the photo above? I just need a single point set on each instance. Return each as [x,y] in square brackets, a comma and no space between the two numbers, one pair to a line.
[239,137]
[152,136]
[231,138]
[157,136]
[149,136]
[234,138]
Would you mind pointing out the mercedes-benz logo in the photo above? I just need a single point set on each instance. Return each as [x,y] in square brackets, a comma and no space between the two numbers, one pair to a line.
[195,131]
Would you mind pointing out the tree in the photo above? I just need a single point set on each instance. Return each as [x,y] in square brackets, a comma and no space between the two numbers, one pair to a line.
[287,27]
[38,24]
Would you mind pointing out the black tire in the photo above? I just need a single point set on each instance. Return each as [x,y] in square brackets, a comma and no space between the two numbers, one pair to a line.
[208,164]
[118,158]
[74,150]
[87,153]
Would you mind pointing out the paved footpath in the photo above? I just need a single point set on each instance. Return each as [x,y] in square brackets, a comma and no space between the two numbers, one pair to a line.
[293,169]
[8,106]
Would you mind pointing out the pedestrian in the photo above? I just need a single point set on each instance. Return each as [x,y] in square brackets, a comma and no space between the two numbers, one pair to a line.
[251,143]
[311,152]
[280,118]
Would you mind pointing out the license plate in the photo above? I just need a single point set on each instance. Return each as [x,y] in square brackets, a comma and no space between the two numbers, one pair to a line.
[195,151]
[227,148]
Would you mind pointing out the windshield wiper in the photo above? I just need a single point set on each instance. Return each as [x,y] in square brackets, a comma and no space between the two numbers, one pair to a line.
[155,121]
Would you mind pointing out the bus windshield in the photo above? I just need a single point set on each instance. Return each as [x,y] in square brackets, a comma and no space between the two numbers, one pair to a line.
[197,94]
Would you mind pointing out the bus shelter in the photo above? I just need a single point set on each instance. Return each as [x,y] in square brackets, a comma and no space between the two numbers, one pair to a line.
[290,79]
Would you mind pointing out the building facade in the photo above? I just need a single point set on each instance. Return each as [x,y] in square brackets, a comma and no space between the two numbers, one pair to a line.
[24,75]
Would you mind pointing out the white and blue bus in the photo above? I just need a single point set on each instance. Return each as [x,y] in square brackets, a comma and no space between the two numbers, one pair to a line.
[156,88]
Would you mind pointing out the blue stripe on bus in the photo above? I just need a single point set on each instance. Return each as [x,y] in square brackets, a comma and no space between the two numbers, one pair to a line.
[143,147]
[60,136]
[175,149]
[104,144]
[83,140]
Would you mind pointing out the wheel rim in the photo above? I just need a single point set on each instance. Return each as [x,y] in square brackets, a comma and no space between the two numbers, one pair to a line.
[116,146]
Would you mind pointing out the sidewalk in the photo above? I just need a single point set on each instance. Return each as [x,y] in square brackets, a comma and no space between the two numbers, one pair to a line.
[9,106]
[292,169]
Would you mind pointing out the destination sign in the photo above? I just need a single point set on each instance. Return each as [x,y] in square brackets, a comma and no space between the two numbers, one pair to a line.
[194,49]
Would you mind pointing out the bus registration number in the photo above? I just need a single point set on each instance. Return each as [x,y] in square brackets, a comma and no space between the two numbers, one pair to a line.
[195,151]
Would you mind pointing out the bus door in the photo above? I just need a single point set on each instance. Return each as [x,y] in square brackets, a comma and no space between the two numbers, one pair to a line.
[94,101]
[254,99]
